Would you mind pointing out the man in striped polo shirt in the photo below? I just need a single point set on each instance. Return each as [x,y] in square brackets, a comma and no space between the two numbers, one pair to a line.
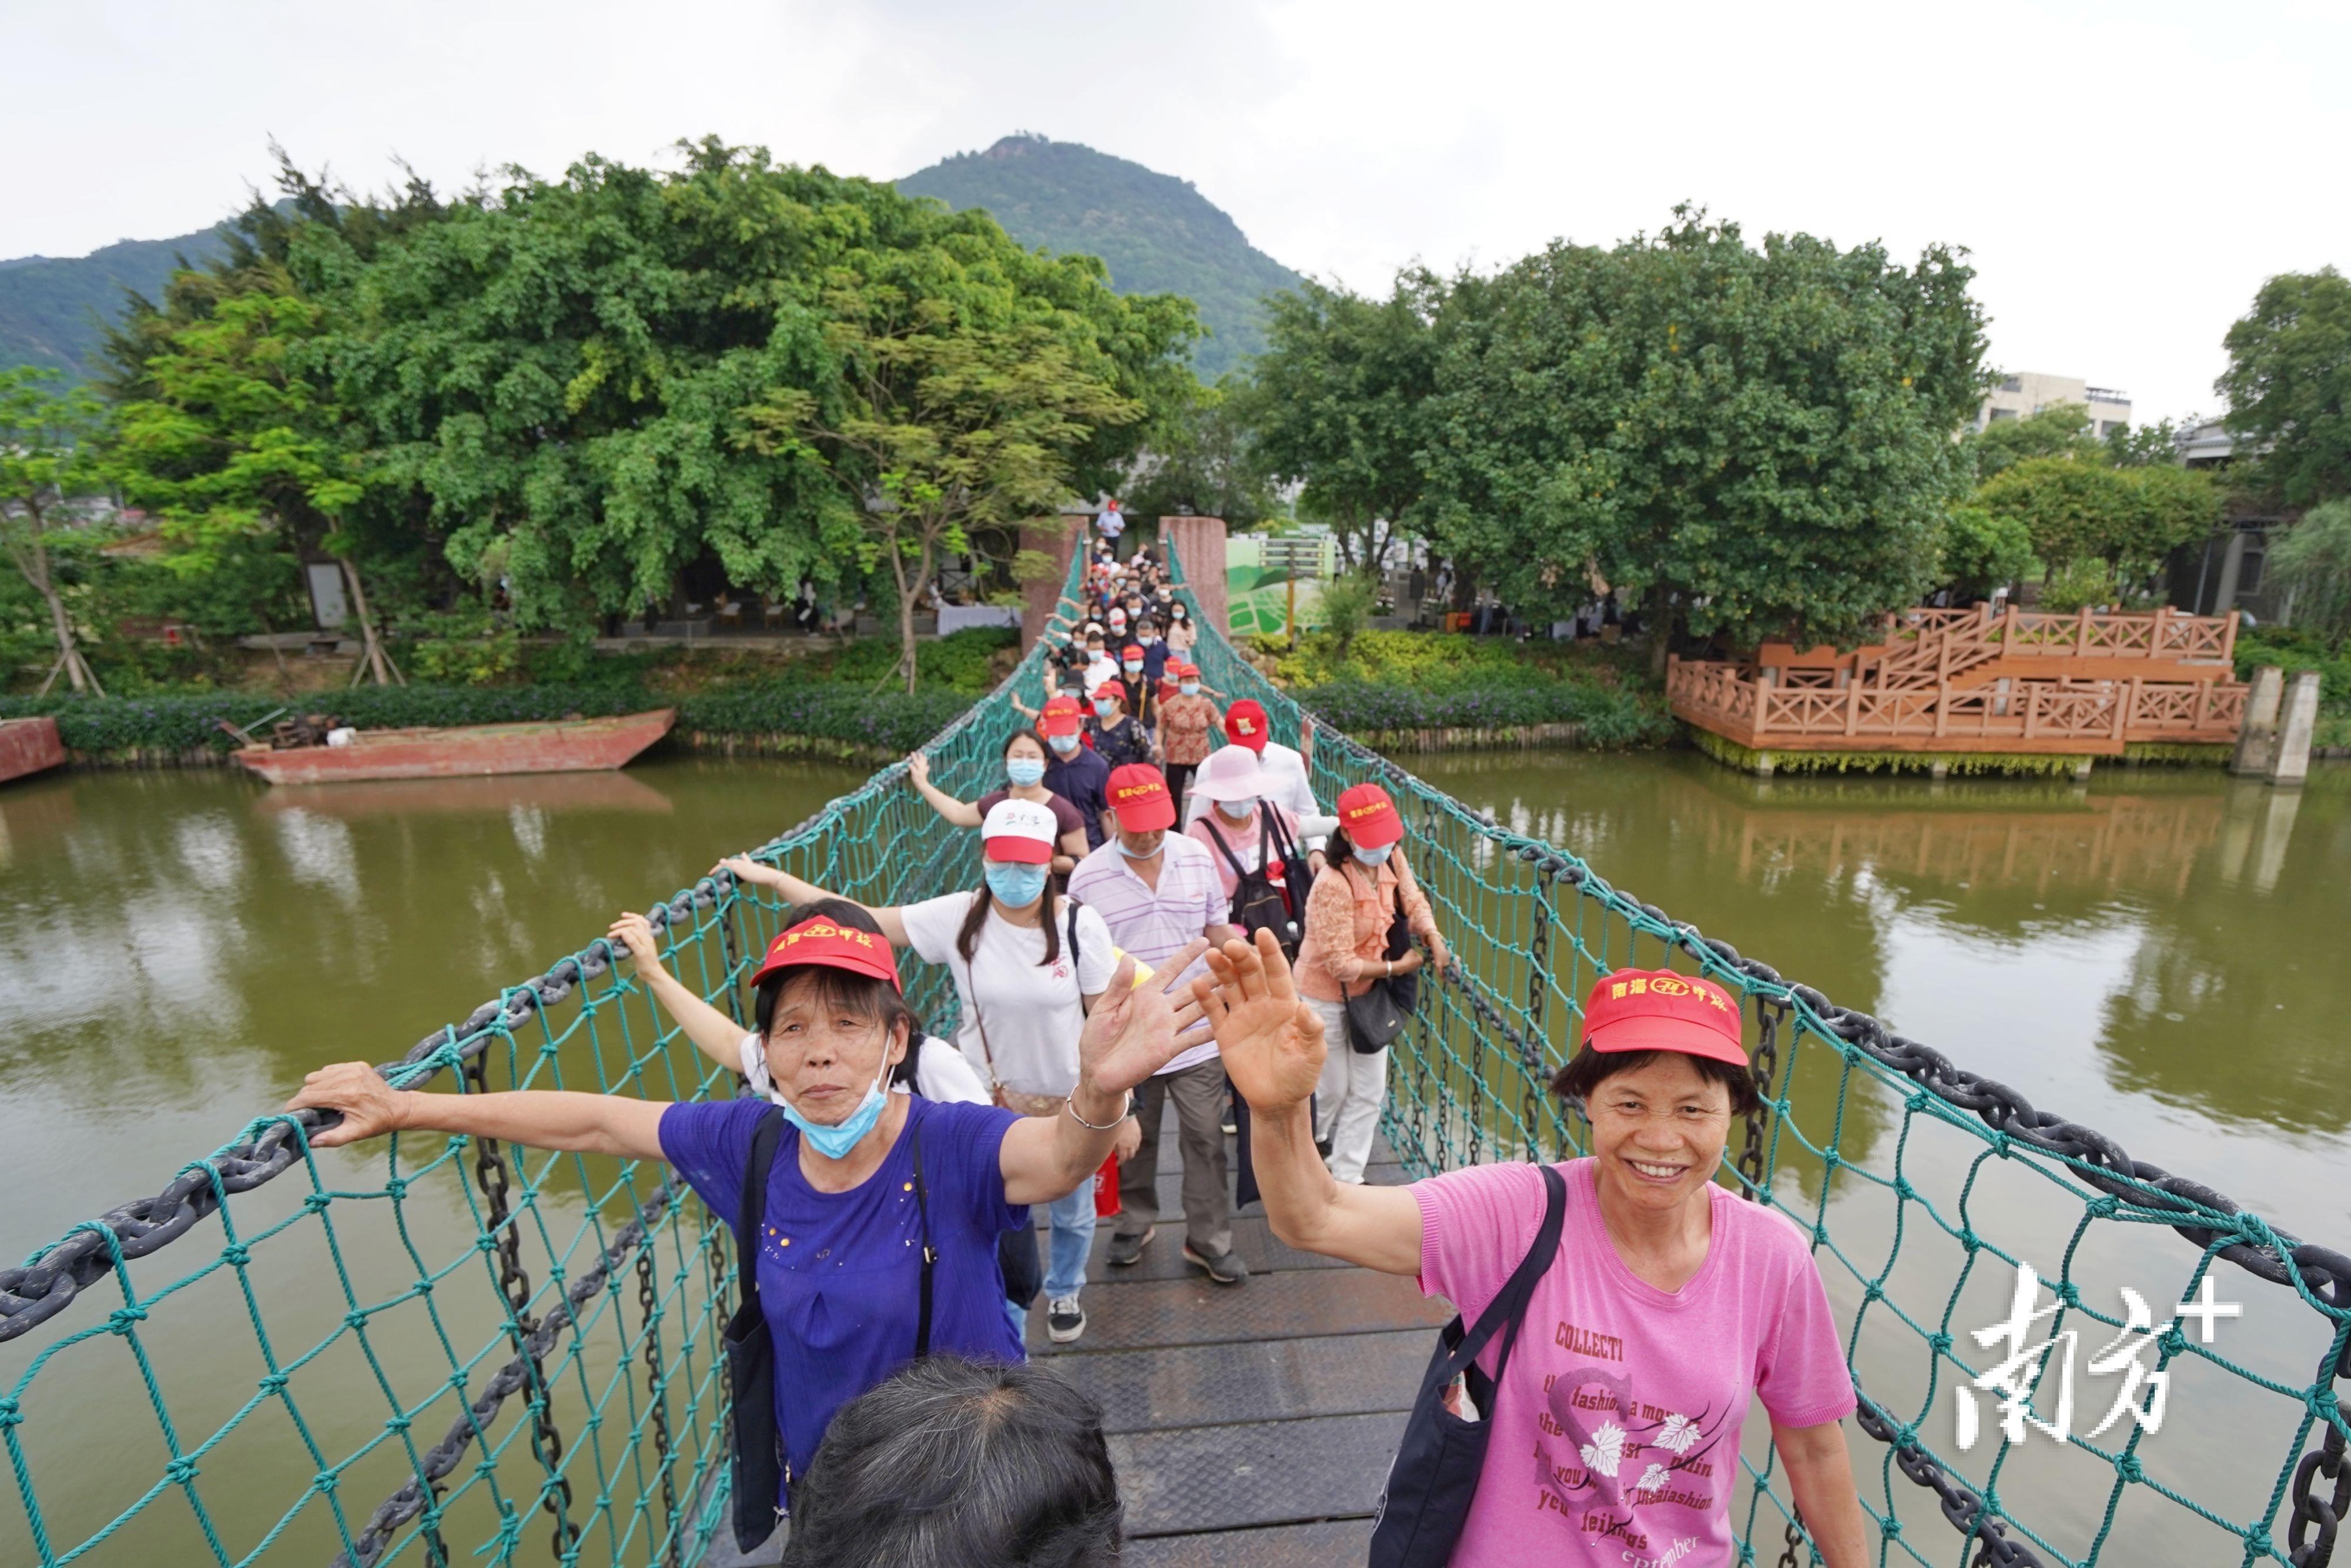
[1157,892]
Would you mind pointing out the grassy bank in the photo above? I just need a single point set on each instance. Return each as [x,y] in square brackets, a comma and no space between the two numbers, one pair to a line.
[1430,691]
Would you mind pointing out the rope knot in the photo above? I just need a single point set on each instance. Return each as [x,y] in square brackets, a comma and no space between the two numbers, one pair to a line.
[326,1481]
[2068,1292]
[121,1318]
[396,1188]
[276,1383]
[356,1318]
[2106,1207]
[1942,1344]
[10,1414]
[2128,1467]
[238,1253]
[316,1202]
[181,1470]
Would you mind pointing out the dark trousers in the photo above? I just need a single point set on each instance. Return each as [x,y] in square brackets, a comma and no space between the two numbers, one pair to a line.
[1179,778]
[1199,1096]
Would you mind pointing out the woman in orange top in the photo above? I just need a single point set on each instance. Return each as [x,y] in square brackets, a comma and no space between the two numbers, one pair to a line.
[1185,720]
[1354,902]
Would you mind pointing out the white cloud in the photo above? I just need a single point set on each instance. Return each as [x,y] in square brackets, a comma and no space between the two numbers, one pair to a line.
[2124,175]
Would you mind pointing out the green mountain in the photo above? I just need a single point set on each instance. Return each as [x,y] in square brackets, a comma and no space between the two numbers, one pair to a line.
[51,308]
[1158,235]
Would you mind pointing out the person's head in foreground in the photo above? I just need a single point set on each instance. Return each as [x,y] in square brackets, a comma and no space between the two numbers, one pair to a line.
[834,1021]
[961,1464]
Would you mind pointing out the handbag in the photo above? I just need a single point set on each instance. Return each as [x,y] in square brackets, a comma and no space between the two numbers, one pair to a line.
[1433,1481]
[1375,1018]
[761,1472]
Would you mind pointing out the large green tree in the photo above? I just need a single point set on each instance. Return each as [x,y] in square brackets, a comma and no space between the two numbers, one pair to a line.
[1341,404]
[2289,385]
[50,439]
[2060,431]
[1747,439]
[2080,510]
[1200,459]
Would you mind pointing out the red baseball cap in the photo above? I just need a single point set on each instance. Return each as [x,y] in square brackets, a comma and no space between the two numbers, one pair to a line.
[1139,795]
[822,942]
[1657,1009]
[1132,650]
[1370,818]
[1245,723]
[1113,688]
[1191,670]
[1062,716]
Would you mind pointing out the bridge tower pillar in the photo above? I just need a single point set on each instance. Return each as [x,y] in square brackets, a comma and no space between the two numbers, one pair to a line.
[1056,539]
[1200,544]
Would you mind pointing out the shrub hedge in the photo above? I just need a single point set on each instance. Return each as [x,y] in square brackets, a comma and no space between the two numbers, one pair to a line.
[1610,717]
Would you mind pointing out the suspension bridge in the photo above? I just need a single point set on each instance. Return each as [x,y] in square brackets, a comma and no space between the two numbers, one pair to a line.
[538,1333]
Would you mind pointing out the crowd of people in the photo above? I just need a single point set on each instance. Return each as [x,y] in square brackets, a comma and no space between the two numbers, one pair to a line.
[1167,917]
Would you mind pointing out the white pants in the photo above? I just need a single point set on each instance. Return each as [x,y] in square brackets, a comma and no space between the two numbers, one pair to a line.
[1349,1095]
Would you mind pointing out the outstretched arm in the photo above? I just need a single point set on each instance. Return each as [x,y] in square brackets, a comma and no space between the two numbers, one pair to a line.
[962,814]
[713,1034]
[1273,1047]
[535,1118]
[795,891]
[1820,1472]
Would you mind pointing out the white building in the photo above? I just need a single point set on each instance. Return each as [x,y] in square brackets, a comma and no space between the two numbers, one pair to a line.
[2027,393]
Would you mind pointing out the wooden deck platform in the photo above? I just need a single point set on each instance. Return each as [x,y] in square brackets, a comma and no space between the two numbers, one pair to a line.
[1251,1424]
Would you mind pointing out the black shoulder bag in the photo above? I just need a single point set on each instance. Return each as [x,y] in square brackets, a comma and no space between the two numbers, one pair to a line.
[1256,904]
[761,1472]
[1434,1482]
[1375,1018]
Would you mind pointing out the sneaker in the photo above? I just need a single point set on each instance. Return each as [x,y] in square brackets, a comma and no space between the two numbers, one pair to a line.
[1064,1320]
[1224,1267]
[1125,1251]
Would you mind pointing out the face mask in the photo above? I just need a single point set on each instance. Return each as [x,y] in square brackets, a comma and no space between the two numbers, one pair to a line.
[1190,688]
[1065,745]
[1135,667]
[1024,772]
[1371,857]
[1237,810]
[1016,887]
[1104,706]
[834,1143]
[1136,854]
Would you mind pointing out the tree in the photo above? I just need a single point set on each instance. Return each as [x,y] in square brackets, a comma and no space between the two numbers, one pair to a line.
[2288,385]
[967,377]
[2126,520]
[1199,460]
[48,450]
[1752,440]
[2060,430]
[2313,563]
[1981,550]
[2141,445]
[1340,405]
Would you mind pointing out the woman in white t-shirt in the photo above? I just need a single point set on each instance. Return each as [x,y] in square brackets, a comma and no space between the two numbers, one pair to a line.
[1026,982]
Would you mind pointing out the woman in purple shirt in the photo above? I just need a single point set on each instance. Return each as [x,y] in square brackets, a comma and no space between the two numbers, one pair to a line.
[841,1241]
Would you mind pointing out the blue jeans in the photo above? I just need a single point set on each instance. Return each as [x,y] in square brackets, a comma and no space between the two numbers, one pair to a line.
[1073,1238]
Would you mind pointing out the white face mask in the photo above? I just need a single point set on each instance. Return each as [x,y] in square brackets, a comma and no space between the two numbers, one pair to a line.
[1238,810]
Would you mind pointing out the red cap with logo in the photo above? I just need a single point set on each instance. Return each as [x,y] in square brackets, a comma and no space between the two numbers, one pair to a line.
[1245,723]
[832,945]
[1132,650]
[1111,688]
[1369,816]
[1139,795]
[1657,1009]
[1062,716]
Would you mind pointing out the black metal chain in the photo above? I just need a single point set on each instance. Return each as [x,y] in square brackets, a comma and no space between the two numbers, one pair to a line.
[2311,1528]
[1768,1014]
[1795,1541]
[514,1284]
[368,1547]
[657,1402]
[1962,1508]
[730,944]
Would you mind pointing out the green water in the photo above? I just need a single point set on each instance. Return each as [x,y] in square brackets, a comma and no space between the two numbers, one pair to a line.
[2159,955]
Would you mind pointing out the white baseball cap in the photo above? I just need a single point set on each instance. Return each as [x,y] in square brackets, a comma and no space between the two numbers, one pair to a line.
[1022,831]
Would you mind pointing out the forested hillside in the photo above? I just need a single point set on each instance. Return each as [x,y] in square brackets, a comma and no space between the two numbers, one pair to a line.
[50,306]
[1158,235]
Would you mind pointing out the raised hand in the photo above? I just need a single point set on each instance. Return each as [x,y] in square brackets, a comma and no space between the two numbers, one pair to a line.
[1135,1031]
[370,1106]
[1271,1041]
[635,934]
[918,767]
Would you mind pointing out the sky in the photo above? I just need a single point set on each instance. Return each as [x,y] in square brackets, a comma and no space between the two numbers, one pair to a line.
[2124,175]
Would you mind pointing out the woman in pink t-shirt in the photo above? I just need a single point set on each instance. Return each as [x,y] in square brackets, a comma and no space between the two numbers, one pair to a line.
[1670,1304]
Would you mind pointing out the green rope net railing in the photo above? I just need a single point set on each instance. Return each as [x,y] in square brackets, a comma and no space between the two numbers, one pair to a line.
[536,1335]
[1922,1188]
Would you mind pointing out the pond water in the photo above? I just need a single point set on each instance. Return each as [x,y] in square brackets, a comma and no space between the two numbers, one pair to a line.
[2159,955]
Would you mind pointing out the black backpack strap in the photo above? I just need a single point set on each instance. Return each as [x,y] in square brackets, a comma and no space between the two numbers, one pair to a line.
[930,1253]
[1231,859]
[1510,1307]
[751,1208]
[1069,912]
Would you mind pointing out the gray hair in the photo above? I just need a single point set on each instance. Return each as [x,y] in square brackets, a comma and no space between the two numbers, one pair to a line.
[960,1464]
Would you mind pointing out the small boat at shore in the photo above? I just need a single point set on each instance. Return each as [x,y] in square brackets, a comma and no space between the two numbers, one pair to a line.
[29,745]
[547,745]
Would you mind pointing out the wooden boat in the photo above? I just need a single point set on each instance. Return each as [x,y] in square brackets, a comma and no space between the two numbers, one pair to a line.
[28,746]
[549,745]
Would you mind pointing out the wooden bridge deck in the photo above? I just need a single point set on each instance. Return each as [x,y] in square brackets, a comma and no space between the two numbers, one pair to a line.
[1251,1424]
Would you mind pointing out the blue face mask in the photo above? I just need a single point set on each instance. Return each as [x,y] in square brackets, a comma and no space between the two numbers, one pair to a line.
[1373,857]
[1016,887]
[834,1143]
[1134,666]
[1239,809]
[1190,688]
[1065,744]
[1136,854]
[1104,706]
[1024,772]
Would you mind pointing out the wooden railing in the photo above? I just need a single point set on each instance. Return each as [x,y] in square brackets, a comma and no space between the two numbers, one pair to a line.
[2153,635]
[2088,716]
